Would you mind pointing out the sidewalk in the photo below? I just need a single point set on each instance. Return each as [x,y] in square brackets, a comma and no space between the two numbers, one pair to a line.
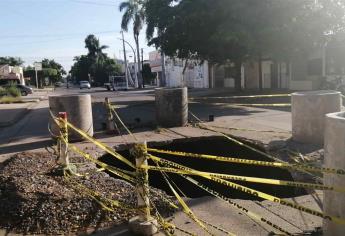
[12,113]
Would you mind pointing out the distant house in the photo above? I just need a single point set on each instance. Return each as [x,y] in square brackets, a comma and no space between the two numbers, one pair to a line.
[196,75]
[8,72]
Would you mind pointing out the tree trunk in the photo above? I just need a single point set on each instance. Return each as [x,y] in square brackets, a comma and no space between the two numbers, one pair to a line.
[238,75]
[140,78]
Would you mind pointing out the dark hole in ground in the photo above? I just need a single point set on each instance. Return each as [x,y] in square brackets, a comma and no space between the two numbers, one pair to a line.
[215,146]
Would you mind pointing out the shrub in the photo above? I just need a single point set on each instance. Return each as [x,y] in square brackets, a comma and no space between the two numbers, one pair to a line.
[3,92]
[13,91]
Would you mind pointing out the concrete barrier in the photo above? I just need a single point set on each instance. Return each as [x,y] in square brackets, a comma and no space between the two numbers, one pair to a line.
[79,113]
[308,114]
[171,107]
[334,202]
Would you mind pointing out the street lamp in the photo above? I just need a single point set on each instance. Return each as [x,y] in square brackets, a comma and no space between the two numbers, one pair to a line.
[135,62]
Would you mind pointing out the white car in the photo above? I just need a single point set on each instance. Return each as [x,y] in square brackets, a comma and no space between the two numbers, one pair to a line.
[84,84]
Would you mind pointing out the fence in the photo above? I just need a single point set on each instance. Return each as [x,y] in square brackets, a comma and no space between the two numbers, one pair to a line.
[140,171]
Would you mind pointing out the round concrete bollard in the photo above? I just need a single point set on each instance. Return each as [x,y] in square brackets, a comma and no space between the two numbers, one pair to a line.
[334,145]
[171,107]
[79,113]
[308,114]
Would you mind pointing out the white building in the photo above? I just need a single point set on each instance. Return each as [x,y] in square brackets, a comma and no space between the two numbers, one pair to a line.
[195,76]
[12,72]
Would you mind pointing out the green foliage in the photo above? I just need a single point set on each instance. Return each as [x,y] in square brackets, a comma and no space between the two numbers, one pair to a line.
[3,92]
[13,91]
[8,100]
[53,70]
[222,31]
[96,63]
[147,73]
[12,61]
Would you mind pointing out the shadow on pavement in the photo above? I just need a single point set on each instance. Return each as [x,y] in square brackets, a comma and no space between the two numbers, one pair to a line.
[25,146]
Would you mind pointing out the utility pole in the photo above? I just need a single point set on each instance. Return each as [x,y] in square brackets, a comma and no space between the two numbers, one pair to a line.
[125,58]
[163,69]
[142,66]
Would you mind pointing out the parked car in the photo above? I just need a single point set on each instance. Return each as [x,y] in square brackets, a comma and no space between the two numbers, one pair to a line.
[24,90]
[84,84]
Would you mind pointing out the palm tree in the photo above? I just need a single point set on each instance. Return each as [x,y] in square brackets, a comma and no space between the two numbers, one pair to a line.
[95,49]
[95,54]
[133,11]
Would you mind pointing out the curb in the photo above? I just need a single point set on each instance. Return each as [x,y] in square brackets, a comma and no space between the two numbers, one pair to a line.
[19,116]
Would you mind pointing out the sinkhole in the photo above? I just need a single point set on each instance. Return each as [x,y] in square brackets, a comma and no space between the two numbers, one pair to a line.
[213,146]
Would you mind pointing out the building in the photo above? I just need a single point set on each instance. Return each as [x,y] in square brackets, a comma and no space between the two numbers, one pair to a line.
[8,72]
[196,74]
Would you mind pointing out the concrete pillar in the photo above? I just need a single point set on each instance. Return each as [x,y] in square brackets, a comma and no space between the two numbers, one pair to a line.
[79,112]
[334,202]
[308,114]
[171,107]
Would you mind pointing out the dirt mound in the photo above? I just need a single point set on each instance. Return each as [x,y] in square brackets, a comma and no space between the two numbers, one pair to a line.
[34,199]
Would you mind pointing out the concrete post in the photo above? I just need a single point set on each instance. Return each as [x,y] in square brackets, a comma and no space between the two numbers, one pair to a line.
[110,118]
[79,111]
[334,202]
[143,224]
[63,144]
[308,114]
[171,107]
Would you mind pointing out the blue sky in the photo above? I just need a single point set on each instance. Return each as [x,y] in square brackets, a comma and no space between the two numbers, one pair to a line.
[56,29]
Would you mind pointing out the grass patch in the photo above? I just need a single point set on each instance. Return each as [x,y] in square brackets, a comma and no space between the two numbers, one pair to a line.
[8,100]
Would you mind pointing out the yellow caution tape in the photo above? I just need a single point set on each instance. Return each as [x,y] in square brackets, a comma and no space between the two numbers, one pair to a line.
[202,126]
[185,207]
[252,162]
[249,96]
[252,215]
[111,169]
[103,201]
[188,211]
[112,108]
[256,193]
[255,104]
[101,145]
[247,179]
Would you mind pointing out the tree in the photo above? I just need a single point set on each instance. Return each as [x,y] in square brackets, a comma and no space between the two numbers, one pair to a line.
[148,76]
[59,70]
[233,31]
[12,61]
[134,11]
[95,55]
[96,63]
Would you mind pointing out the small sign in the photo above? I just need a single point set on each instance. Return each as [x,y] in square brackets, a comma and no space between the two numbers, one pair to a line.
[38,66]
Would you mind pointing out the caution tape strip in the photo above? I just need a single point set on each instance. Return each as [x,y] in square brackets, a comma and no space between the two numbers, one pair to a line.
[184,195]
[185,207]
[117,172]
[101,145]
[112,108]
[248,96]
[99,198]
[250,214]
[256,193]
[251,162]
[254,104]
[202,126]
[111,169]
[246,178]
